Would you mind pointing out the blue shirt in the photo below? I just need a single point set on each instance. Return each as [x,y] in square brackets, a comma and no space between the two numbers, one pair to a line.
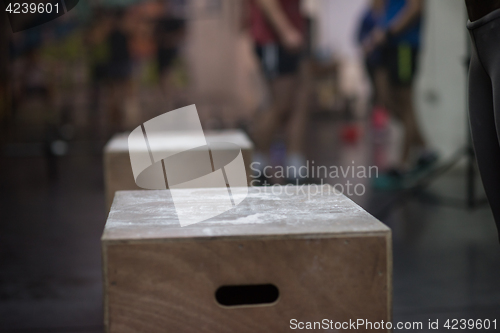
[369,22]
[410,35]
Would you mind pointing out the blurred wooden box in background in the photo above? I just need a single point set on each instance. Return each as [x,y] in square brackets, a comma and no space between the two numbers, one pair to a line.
[118,174]
[306,253]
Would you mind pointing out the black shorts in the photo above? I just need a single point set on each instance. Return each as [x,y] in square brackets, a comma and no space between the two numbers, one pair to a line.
[166,57]
[401,63]
[277,61]
[119,71]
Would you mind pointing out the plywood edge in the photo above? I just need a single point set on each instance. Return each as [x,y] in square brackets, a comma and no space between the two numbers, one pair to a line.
[104,255]
[107,148]
[390,271]
[107,182]
[313,236]
[110,202]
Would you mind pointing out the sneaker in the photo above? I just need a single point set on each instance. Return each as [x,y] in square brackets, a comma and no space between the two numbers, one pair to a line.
[391,180]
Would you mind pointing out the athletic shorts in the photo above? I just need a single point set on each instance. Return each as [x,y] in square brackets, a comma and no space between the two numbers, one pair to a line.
[166,57]
[277,61]
[401,63]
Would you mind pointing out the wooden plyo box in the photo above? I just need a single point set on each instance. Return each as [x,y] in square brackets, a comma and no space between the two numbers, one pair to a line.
[326,256]
[118,174]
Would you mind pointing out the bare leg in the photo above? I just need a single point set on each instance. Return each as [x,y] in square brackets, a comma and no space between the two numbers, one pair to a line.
[268,122]
[383,88]
[399,100]
[406,110]
[117,92]
[167,89]
[299,117]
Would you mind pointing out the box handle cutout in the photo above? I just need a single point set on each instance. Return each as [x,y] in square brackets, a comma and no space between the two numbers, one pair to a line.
[258,294]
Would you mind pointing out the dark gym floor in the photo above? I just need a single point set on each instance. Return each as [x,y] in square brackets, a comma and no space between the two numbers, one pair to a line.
[446,258]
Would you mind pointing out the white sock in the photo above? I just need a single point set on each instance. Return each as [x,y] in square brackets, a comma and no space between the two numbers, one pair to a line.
[260,161]
[295,161]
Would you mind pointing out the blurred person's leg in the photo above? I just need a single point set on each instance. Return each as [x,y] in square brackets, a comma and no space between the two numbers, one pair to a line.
[283,69]
[167,89]
[113,121]
[299,117]
[118,90]
[401,63]
[292,64]
[132,111]
[413,138]
[387,101]
[381,120]
[376,99]
[484,103]
[172,88]
[380,97]
[165,58]
[383,88]
[95,96]
[268,122]
[119,76]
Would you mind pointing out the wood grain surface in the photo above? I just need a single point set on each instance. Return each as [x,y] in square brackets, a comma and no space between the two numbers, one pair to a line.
[333,261]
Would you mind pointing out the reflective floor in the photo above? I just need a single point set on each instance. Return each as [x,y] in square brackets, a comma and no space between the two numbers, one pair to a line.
[446,257]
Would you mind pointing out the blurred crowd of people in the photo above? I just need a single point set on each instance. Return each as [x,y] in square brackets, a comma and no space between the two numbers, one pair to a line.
[103,57]
[121,42]
[390,39]
[107,55]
